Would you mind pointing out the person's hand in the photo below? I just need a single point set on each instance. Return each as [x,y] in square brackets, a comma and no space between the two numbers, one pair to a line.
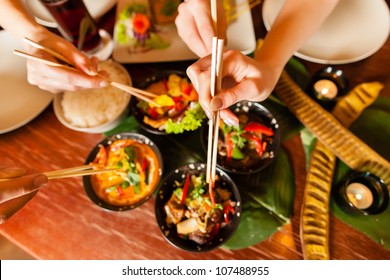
[195,26]
[55,79]
[243,79]
[15,193]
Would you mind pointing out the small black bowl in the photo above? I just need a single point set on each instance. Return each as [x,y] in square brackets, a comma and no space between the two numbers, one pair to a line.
[106,142]
[349,195]
[257,113]
[165,192]
[327,86]
[137,112]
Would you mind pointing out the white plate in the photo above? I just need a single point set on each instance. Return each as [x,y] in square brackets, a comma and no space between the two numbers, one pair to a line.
[42,16]
[240,34]
[355,30]
[20,102]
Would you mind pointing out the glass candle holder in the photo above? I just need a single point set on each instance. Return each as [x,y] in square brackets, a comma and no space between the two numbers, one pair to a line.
[75,23]
[362,193]
[327,86]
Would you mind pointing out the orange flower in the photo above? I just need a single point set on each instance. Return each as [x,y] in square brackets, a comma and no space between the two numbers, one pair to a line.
[141,23]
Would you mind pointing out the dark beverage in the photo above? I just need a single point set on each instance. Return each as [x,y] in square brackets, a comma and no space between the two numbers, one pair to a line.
[75,23]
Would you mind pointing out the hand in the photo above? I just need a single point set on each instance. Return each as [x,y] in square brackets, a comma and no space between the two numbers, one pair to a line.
[15,193]
[195,26]
[56,79]
[243,79]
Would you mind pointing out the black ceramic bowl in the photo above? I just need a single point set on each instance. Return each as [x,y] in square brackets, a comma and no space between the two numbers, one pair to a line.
[106,142]
[362,193]
[165,192]
[328,85]
[257,113]
[138,113]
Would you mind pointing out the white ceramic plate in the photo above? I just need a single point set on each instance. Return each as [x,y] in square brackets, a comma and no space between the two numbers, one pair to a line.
[20,102]
[355,30]
[240,34]
[42,16]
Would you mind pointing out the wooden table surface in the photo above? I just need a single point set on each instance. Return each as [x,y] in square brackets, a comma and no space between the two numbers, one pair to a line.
[62,223]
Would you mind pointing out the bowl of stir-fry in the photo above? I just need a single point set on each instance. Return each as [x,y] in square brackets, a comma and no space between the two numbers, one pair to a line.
[251,146]
[191,215]
[180,110]
[137,168]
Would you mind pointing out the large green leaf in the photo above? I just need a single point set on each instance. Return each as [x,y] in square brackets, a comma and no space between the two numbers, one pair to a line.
[267,202]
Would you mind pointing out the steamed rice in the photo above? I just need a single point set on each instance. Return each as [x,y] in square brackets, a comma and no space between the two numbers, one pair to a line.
[94,107]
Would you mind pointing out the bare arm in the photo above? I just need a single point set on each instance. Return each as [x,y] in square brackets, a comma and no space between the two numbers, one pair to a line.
[296,23]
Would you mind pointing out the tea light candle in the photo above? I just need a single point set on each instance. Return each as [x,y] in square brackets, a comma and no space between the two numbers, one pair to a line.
[360,195]
[325,89]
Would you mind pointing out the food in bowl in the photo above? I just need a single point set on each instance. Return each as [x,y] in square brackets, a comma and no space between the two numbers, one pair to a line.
[191,216]
[246,144]
[137,168]
[252,145]
[185,114]
[197,213]
[90,108]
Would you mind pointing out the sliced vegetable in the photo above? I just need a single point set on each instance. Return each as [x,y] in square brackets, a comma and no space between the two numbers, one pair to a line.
[258,128]
[185,189]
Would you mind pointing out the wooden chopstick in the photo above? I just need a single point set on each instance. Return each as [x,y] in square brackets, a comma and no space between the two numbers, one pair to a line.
[77,171]
[215,86]
[42,60]
[141,94]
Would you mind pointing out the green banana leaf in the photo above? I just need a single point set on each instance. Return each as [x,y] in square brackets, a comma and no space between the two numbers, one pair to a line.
[373,128]
[267,196]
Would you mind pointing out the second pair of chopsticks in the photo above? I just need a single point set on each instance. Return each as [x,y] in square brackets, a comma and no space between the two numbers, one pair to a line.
[77,171]
[141,94]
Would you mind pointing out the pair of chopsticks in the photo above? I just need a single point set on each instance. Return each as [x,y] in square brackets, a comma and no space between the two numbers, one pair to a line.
[215,86]
[141,94]
[237,9]
[83,170]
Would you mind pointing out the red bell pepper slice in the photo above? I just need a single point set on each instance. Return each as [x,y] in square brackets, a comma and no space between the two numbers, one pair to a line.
[185,189]
[153,113]
[226,210]
[186,88]
[257,142]
[229,146]
[258,128]
[144,165]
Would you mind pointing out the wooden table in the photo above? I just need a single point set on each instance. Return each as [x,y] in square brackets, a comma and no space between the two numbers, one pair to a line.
[62,223]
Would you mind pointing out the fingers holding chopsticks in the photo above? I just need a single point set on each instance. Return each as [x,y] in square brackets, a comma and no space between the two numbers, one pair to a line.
[17,192]
[20,184]
[57,79]
[243,79]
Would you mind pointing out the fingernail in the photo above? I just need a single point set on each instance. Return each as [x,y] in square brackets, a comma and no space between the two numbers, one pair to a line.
[231,122]
[92,71]
[40,181]
[216,104]
[103,83]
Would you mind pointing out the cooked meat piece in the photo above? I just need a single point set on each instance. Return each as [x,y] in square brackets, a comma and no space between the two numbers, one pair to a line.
[174,210]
